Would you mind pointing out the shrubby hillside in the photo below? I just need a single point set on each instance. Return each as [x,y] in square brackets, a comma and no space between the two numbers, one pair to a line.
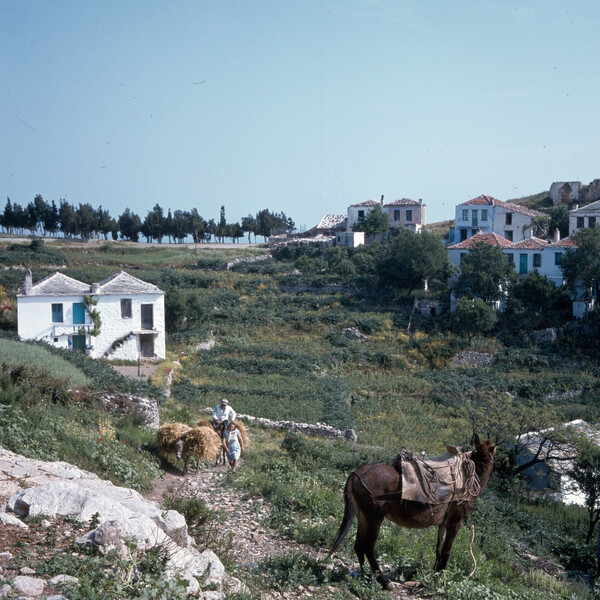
[286,347]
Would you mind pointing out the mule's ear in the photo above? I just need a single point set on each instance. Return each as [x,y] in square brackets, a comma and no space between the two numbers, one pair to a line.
[476,441]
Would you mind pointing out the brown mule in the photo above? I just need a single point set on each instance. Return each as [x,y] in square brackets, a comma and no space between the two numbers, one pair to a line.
[374,492]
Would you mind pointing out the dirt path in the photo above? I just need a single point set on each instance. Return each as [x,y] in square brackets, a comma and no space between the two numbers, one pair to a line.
[243,517]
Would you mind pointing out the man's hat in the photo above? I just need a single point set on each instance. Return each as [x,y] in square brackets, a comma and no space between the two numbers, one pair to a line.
[224,401]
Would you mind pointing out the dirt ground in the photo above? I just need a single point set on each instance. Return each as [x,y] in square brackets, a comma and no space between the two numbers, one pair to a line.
[142,373]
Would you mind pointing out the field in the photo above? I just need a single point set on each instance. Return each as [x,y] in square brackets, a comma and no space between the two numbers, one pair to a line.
[281,352]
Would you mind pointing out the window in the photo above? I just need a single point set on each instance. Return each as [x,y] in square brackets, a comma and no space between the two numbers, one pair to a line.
[484,214]
[508,218]
[126,308]
[147,316]
[78,313]
[57,313]
[510,258]
[408,215]
[396,214]
[463,235]
[537,260]
[580,223]
[361,215]
[557,258]
[465,215]
[591,221]
[508,235]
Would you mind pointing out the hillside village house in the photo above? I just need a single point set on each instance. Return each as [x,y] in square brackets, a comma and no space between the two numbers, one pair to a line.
[528,255]
[586,216]
[132,316]
[486,214]
[400,213]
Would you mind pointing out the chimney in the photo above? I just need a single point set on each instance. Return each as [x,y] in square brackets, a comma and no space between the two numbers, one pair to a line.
[381,201]
[420,200]
[95,288]
[575,206]
[28,283]
[556,236]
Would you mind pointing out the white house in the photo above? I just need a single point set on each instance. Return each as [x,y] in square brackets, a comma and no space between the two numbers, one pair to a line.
[528,255]
[403,212]
[486,214]
[64,313]
[586,216]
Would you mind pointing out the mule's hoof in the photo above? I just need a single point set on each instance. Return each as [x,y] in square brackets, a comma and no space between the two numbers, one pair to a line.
[384,581]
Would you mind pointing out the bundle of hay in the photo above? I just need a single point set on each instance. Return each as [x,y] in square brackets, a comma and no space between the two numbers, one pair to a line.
[199,443]
[167,436]
[239,424]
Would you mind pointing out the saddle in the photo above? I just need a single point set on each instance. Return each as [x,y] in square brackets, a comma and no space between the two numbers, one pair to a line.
[447,478]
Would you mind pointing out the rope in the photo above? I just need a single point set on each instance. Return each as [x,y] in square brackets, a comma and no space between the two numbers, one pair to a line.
[471,551]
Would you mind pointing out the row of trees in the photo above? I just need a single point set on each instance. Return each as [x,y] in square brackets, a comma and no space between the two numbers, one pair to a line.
[87,222]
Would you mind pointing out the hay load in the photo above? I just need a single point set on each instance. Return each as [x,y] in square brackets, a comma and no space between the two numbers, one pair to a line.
[239,424]
[167,436]
[199,443]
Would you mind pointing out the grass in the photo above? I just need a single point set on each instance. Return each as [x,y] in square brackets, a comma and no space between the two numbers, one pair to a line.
[13,352]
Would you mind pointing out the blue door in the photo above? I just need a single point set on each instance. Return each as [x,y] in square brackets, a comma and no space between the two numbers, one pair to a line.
[78,313]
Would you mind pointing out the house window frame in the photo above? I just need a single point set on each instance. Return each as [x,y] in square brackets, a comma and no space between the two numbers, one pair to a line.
[510,258]
[592,222]
[508,218]
[557,258]
[508,234]
[126,307]
[408,215]
[537,260]
[465,214]
[484,215]
[396,214]
[56,313]
[361,215]
[580,222]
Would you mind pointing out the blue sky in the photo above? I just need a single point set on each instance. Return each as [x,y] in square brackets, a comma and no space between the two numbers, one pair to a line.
[298,106]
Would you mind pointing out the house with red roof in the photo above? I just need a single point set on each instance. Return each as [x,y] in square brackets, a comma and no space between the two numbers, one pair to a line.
[528,255]
[486,214]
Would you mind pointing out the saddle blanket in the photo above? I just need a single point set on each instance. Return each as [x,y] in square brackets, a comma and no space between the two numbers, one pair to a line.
[447,478]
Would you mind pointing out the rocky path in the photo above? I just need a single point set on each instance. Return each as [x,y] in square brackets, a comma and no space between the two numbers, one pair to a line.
[243,517]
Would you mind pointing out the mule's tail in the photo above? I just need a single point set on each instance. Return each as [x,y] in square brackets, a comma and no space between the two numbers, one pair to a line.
[349,513]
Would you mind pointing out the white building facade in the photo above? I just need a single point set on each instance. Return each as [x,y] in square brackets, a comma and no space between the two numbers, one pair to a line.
[586,216]
[121,317]
[486,214]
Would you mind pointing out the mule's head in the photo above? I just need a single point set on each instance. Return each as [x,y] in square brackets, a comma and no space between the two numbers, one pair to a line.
[179,447]
[483,450]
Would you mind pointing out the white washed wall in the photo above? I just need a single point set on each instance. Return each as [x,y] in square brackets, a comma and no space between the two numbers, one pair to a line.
[114,327]
[34,319]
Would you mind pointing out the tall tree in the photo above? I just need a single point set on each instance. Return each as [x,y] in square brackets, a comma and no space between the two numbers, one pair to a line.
[87,222]
[484,273]
[130,225]
[41,211]
[153,226]
[249,226]
[410,259]
[581,265]
[68,219]
[197,226]
[8,216]
[472,317]
[586,475]
[51,219]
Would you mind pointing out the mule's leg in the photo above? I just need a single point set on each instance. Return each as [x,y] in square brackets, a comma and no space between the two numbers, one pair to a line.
[442,531]
[366,537]
[445,544]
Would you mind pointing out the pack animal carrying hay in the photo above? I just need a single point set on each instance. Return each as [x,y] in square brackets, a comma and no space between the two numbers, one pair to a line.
[198,443]
[167,436]
[221,458]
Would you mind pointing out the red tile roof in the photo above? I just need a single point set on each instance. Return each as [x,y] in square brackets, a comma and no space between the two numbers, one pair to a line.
[493,239]
[564,243]
[530,244]
[491,201]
